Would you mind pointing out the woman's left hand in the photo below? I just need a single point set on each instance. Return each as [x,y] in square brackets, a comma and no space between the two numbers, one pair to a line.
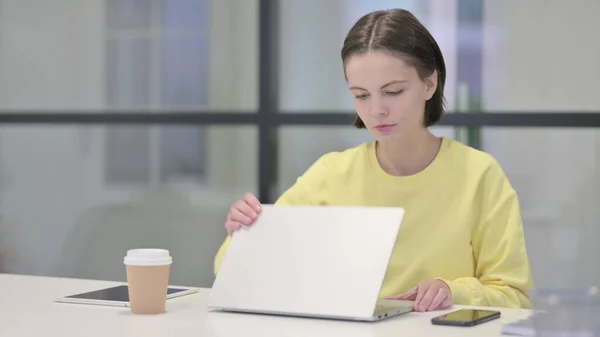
[429,295]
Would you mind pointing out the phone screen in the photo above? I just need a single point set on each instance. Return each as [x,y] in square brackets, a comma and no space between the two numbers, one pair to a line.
[466,315]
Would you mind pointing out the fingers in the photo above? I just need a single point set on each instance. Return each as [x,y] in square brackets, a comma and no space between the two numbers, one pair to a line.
[421,292]
[243,213]
[232,226]
[424,297]
[253,202]
[437,300]
[410,295]
[432,295]
[446,303]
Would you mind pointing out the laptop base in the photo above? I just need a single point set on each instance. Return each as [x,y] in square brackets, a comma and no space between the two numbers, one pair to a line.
[381,314]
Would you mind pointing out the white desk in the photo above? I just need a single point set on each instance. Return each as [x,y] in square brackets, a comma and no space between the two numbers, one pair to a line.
[27,309]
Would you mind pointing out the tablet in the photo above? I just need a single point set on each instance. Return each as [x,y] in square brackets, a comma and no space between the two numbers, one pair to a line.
[117,296]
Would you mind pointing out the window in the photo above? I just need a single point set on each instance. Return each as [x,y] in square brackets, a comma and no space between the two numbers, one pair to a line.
[156,58]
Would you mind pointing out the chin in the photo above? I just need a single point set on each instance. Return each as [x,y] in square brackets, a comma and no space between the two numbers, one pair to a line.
[390,137]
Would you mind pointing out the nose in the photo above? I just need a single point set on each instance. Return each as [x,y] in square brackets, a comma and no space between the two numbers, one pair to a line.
[378,110]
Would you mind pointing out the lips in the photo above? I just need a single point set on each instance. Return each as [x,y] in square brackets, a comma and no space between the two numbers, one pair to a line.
[384,127]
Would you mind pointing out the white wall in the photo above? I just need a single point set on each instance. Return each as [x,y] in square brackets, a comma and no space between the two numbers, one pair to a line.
[542,55]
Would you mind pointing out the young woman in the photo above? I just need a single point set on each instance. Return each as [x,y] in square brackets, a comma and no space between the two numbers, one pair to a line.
[462,239]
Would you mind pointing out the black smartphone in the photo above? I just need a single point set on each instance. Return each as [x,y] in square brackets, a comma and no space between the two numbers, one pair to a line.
[466,317]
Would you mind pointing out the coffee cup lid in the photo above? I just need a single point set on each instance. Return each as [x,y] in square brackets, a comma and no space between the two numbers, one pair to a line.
[148,257]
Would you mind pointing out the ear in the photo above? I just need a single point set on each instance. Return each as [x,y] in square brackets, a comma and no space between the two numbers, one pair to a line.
[431,82]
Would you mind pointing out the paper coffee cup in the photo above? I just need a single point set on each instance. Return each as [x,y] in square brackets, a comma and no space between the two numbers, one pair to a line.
[148,279]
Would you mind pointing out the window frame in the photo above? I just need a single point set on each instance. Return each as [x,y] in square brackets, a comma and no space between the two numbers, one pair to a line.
[268,119]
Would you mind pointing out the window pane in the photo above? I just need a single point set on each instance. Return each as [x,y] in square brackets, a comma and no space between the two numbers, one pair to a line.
[478,40]
[233,55]
[127,156]
[184,72]
[129,14]
[556,173]
[183,154]
[540,76]
[186,14]
[129,73]
[94,55]
[55,198]
[310,71]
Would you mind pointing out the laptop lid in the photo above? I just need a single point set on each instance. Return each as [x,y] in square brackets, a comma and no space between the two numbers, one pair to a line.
[309,261]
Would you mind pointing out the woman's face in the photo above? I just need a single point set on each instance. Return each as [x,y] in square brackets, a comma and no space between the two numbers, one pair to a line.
[389,95]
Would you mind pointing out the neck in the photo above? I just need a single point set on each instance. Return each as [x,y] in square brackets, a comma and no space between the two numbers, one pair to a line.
[408,155]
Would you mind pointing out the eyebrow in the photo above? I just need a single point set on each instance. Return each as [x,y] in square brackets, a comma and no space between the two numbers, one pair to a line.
[383,86]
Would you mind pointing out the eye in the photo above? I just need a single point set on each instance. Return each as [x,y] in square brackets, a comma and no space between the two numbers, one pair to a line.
[363,96]
[395,93]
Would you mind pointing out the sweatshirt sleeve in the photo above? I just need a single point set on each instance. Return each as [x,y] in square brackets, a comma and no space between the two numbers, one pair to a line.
[502,274]
[309,189]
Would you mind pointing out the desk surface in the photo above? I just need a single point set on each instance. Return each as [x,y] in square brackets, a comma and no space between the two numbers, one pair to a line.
[27,309]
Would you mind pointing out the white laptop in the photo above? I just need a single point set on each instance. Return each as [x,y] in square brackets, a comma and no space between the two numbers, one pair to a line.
[311,261]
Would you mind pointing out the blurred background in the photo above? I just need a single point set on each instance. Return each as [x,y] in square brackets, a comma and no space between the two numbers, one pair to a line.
[137,123]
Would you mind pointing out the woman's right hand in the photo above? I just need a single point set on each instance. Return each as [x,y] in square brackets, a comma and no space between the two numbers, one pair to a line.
[243,213]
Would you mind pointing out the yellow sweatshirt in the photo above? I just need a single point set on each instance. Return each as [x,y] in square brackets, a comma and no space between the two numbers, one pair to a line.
[462,223]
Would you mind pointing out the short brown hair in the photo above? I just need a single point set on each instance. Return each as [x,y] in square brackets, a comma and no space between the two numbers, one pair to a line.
[399,31]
